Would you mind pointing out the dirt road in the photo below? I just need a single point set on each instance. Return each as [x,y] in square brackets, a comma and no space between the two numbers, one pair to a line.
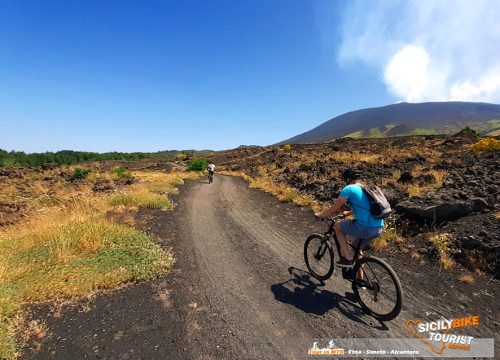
[239,289]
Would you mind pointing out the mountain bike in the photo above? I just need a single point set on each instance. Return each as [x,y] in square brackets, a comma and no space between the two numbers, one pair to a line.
[374,282]
[210,177]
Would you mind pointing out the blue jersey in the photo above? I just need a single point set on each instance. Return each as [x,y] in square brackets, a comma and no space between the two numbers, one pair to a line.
[360,205]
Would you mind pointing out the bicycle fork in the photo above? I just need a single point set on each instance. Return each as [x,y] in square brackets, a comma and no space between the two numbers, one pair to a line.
[321,249]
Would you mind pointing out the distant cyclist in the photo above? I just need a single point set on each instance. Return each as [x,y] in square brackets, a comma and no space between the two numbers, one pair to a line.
[211,169]
[364,227]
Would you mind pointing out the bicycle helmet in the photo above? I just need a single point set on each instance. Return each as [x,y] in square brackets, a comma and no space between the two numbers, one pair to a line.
[351,174]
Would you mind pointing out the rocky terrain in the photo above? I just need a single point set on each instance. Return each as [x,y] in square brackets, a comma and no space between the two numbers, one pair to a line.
[23,190]
[437,186]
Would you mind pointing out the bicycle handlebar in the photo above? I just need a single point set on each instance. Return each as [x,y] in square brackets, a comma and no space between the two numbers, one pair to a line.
[333,219]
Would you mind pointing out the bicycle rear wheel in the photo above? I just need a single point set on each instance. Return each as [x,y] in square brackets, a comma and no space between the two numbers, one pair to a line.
[319,256]
[378,288]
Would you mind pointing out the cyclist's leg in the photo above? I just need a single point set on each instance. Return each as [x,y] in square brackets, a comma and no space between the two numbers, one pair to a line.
[361,243]
[358,243]
[353,229]
[345,249]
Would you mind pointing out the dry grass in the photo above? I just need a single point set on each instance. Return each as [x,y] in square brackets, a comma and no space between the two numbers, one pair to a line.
[379,244]
[284,193]
[466,279]
[416,256]
[417,190]
[446,261]
[355,157]
[441,243]
[413,190]
[388,236]
[151,191]
[69,248]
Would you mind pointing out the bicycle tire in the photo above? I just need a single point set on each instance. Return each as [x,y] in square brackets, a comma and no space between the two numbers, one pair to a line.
[375,289]
[310,248]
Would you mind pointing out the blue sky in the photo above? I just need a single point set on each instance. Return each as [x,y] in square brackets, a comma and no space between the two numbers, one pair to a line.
[156,75]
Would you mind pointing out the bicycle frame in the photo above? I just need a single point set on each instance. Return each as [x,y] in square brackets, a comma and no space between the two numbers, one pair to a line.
[358,255]
[331,233]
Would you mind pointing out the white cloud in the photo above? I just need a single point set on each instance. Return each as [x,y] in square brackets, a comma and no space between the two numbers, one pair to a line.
[427,50]
[407,73]
[486,88]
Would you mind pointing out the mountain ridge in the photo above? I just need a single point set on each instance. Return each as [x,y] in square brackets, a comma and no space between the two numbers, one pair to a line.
[405,119]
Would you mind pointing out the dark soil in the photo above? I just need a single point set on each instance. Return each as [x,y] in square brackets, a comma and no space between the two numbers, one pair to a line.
[239,290]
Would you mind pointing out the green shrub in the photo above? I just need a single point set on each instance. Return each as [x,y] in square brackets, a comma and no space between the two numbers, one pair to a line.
[485,145]
[287,147]
[467,131]
[80,173]
[120,172]
[199,164]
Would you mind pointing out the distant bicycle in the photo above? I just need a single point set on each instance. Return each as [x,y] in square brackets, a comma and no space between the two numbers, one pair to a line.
[210,177]
[374,282]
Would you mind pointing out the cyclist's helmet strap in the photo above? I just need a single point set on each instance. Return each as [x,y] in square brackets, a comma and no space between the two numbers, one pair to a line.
[350,175]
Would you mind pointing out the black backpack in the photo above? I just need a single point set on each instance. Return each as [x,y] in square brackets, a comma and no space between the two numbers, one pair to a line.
[379,206]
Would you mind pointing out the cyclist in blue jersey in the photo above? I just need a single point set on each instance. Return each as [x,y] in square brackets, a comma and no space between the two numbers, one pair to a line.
[364,228]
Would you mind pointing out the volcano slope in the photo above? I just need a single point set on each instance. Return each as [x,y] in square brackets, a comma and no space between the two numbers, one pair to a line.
[446,196]
[239,289]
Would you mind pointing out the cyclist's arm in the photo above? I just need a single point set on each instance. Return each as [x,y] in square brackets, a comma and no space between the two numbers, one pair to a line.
[334,209]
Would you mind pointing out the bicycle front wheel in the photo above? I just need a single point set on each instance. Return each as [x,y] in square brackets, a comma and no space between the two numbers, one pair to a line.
[378,288]
[319,256]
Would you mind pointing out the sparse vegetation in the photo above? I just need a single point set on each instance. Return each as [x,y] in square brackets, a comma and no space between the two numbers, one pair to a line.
[265,183]
[486,145]
[119,172]
[388,236]
[72,248]
[466,279]
[79,173]
[441,242]
[416,256]
[69,252]
[290,196]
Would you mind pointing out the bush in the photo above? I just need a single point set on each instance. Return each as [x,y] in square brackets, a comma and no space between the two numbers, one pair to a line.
[80,173]
[181,157]
[199,164]
[467,131]
[120,172]
[287,147]
[486,144]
